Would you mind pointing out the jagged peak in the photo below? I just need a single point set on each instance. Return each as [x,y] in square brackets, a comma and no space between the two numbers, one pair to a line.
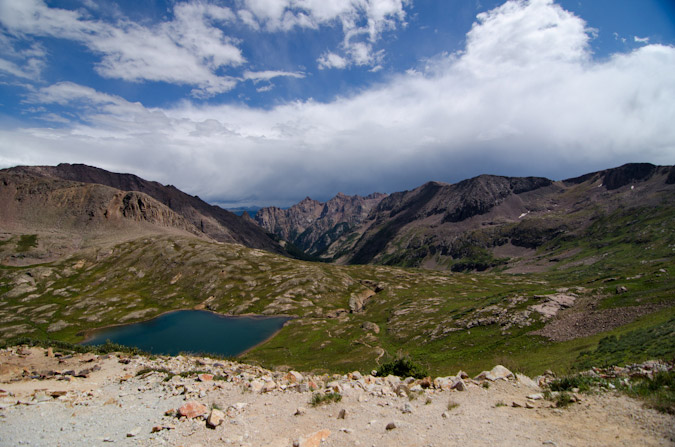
[306,200]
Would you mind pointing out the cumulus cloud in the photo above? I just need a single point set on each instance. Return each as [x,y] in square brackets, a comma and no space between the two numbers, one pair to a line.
[192,48]
[332,60]
[187,50]
[524,97]
[362,23]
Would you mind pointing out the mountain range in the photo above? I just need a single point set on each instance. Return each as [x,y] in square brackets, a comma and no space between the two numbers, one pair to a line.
[476,224]
[567,273]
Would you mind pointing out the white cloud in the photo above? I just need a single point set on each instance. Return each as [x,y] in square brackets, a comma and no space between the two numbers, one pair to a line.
[332,60]
[187,50]
[25,63]
[523,98]
[641,39]
[265,88]
[270,74]
[362,23]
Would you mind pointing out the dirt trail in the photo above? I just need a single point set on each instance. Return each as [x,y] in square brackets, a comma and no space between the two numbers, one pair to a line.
[112,403]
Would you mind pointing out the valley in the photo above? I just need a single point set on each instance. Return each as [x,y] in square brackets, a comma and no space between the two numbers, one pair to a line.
[566,280]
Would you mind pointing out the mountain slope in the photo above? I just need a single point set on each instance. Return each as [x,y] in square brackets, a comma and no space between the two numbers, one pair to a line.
[60,216]
[491,221]
[211,220]
[312,226]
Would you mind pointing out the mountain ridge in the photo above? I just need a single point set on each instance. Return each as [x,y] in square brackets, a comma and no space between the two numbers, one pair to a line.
[215,222]
[439,224]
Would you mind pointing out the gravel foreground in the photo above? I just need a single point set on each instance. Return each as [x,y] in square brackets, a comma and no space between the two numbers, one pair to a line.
[48,399]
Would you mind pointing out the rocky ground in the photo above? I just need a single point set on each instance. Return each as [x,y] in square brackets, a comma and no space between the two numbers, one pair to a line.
[48,398]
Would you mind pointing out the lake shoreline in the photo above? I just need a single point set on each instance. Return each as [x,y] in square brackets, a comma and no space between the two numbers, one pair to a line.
[91,334]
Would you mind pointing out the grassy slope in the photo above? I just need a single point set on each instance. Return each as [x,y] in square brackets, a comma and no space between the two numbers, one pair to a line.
[421,313]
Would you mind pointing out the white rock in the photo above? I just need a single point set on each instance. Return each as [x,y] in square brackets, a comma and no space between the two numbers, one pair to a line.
[215,418]
[458,385]
[525,380]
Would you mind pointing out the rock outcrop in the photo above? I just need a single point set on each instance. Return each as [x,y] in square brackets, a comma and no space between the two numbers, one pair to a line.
[312,226]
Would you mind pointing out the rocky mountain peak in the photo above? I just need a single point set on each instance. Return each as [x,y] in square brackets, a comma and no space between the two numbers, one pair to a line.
[312,225]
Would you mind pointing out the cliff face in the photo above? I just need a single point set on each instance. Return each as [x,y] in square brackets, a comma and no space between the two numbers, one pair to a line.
[212,221]
[313,226]
[289,223]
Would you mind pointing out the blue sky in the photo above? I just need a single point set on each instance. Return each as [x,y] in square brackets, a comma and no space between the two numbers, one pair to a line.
[261,102]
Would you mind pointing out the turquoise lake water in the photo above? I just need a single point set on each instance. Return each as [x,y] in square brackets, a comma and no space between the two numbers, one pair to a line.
[192,331]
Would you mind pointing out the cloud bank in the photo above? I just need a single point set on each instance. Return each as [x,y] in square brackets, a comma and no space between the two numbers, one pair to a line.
[524,97]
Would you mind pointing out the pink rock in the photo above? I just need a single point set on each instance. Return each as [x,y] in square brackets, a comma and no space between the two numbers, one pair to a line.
[192,410]
[314,440]
[205,377]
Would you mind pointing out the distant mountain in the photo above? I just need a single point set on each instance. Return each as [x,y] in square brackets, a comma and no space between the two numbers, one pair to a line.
[312,226]
[196,216]
[479,223]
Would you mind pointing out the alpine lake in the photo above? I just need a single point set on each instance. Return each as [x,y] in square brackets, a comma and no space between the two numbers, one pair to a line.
[192,331]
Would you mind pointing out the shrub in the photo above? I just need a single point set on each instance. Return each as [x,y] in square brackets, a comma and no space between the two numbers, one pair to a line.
[328,398]
[402,367]
[569,382]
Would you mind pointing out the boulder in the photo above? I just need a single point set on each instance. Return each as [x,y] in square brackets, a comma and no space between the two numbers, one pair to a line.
[215,418]
[496,373]
[525,380]
[458,385]
[269,386]
[192,410]
[356,375]
[392,380]
[462,375]
[256,386]
[205,377]
[358,300]
[402,390]
[334,386]
[294,377]
[444,383]
[371,327]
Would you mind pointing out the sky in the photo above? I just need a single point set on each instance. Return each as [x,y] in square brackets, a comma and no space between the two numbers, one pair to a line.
[265,102]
